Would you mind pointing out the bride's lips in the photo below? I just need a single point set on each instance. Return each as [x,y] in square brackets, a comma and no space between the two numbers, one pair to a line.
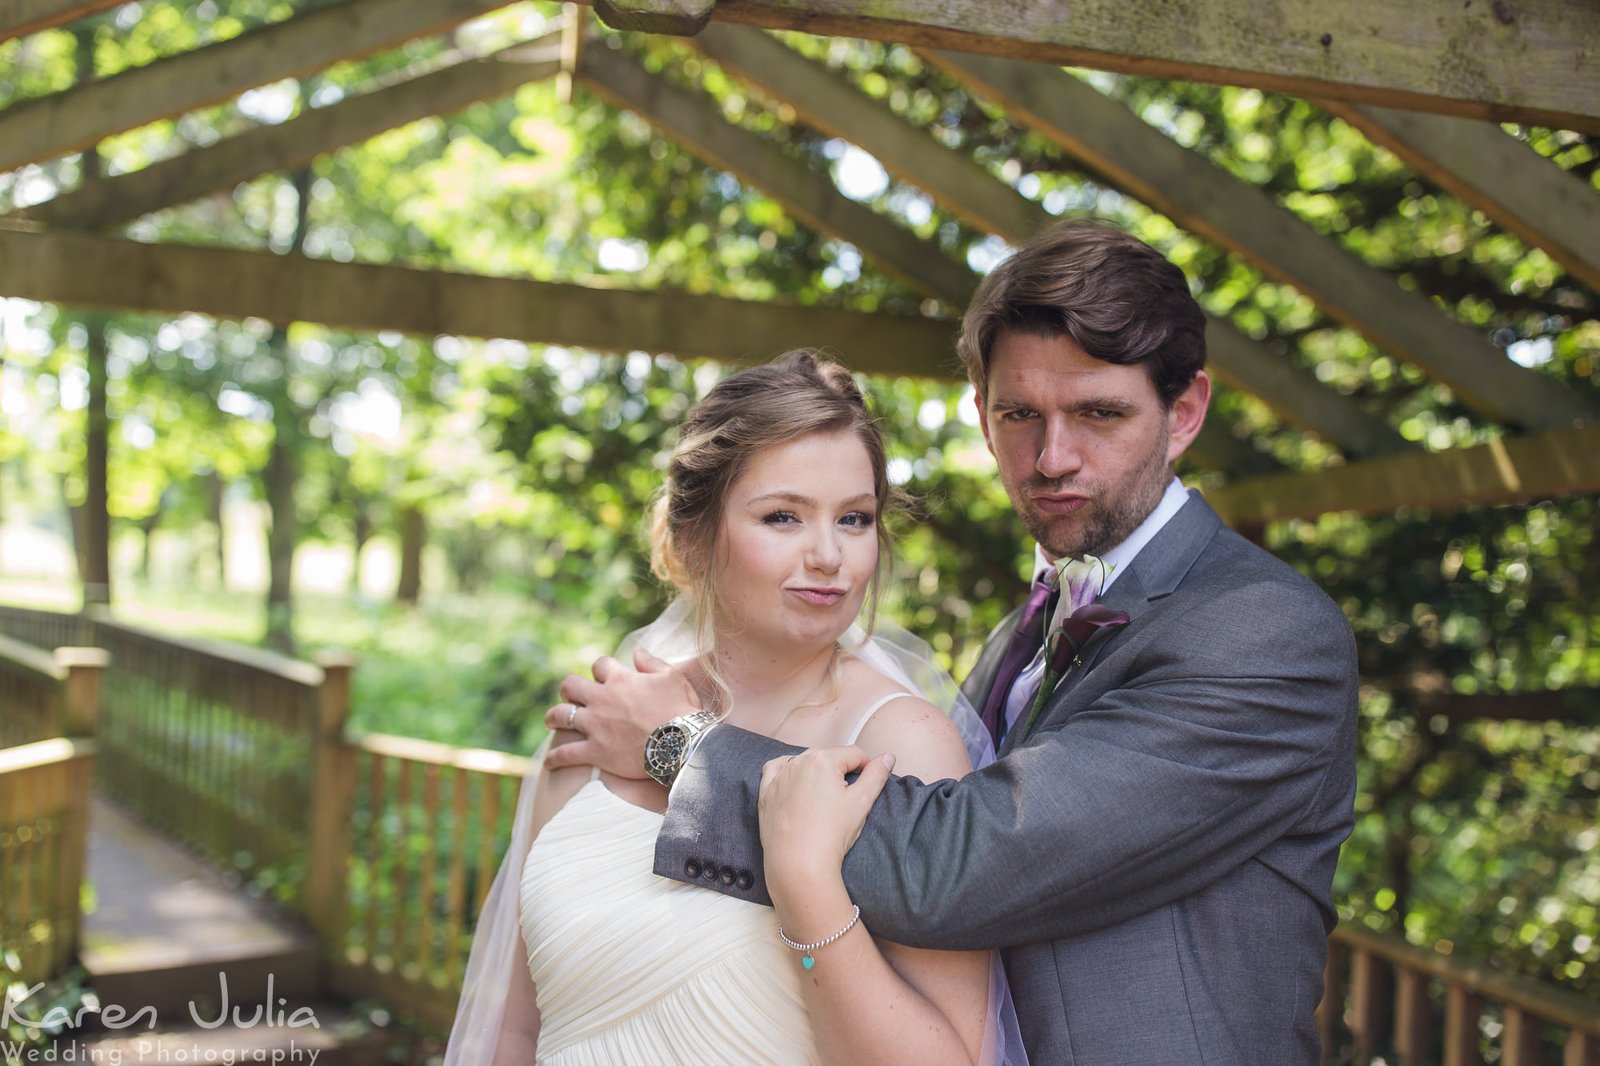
[1059,503]
[819,595]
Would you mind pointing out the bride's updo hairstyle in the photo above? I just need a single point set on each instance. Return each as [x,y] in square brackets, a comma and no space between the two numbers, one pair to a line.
[796,395]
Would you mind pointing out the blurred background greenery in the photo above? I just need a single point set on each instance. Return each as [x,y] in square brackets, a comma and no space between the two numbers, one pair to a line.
[466,515]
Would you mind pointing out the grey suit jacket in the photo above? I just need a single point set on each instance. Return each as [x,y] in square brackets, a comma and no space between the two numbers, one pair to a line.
[1156,857]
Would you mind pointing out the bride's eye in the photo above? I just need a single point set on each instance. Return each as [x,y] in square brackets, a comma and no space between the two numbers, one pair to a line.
[780,518]
[858,519]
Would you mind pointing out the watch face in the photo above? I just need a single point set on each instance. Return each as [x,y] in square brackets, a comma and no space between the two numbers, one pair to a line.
[665,749]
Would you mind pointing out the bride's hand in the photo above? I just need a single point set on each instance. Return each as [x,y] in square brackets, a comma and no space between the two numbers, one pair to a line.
[616,711]
[811,816]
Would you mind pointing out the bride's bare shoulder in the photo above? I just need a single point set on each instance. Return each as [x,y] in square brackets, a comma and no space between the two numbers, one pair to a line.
[924,741]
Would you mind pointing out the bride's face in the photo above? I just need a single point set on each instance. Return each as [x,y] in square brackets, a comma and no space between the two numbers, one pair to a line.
[799,543]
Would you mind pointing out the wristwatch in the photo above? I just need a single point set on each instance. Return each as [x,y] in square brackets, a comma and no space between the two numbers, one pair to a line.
[672,742]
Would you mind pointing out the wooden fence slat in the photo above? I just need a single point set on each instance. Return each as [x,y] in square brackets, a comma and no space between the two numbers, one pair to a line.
[1369,978]
[375,852]
[1519,1044]
[1581,1049]
[1461,1033]
[427,897]
[401,948]
[457,921]
[488,839]
[1412,1017]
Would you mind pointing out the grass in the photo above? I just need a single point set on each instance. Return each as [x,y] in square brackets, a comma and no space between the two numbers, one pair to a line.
[471,671]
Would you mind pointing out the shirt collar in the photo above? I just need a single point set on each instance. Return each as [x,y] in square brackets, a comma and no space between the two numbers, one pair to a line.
[1121,557]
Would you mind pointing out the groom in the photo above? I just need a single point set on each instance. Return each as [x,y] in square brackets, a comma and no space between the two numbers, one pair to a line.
[1154,848]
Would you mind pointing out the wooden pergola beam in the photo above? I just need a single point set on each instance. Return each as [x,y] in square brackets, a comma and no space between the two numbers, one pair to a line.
[265,149]
[695,122]
[1111,140]
[21,17]
[962,186]
[1483,166]
[1297,396]
[1547,465]
[1578,705]
[68,121]
[229,283]
[1531,61]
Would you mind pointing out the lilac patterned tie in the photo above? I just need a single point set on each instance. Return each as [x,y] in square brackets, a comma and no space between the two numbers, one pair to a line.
[1024,645]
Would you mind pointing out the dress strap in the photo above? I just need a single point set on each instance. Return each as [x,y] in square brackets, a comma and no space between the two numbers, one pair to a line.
[870,711]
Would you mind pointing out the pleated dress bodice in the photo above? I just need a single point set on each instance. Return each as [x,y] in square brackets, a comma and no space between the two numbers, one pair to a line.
[631,967]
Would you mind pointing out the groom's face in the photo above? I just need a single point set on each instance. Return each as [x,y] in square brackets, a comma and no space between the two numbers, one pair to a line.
[1085,447]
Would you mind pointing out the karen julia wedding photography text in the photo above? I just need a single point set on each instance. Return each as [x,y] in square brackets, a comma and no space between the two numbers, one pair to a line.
[273,1012]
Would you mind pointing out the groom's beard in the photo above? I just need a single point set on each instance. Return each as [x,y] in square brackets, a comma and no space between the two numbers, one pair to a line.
[1114,510]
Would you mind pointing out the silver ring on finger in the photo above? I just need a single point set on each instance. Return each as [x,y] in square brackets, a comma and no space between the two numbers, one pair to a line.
[572,714]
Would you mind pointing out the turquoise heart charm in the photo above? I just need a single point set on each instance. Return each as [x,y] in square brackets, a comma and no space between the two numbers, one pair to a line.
[807,961]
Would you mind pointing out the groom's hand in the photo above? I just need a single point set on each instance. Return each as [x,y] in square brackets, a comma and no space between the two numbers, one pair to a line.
[616,711]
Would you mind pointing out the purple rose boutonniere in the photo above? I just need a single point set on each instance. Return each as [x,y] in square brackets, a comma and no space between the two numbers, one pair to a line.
[1077,618]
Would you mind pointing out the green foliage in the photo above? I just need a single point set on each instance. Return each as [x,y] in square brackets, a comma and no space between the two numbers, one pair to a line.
[535,466]
[58,1005]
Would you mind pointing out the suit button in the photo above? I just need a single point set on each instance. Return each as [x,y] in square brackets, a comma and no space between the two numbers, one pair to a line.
[745,880]
[709,869]
[691,869]
[726,875]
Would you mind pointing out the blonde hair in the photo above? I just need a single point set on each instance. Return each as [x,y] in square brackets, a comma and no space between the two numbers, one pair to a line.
[798,394]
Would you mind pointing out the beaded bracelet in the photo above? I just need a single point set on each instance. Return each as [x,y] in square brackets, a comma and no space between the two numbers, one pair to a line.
[806,950]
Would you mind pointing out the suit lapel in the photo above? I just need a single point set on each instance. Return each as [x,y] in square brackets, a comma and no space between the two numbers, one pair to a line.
[1155,573]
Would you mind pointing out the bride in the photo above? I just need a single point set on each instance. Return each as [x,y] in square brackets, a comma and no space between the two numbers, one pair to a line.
[770,530]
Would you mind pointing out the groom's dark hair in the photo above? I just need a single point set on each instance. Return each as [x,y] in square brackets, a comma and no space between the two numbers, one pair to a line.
[1116,297]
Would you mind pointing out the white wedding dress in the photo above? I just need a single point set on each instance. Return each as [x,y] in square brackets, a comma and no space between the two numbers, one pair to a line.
[631,967]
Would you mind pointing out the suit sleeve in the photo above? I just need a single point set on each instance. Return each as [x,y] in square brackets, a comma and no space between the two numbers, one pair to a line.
[1234,722]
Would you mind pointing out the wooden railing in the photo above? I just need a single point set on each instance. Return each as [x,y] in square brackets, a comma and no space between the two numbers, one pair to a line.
[388,845]
[216,745]
[1383,995]
[44,629]
[427,828]
[48,713]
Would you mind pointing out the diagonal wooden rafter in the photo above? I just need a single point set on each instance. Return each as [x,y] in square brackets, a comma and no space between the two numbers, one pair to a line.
[20,17]
[1499,175]
[696,123]
[231,283]
[1532,61]
[68,121]
[1537,466]
[963,186]
[1110,139]
[202,171]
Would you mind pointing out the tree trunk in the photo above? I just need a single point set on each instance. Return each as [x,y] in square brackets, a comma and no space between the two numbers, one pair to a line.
[362,532]
[148,528]
[95,544]
[281,476]
[413,535]
[217,491]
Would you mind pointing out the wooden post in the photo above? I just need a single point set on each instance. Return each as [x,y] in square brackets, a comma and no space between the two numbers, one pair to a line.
[1369,1002]
[1461,1014]
[1519,1044]
[1582,1049]
[332,789]
[80,692]
[1412,1017]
